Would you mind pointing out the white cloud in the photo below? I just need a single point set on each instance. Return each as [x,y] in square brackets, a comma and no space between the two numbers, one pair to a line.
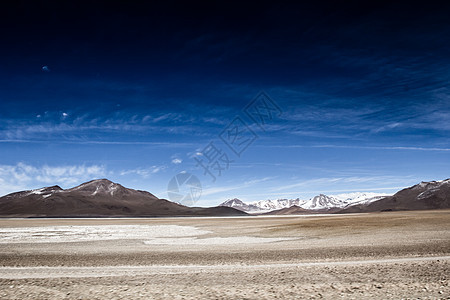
[216,190]
[255,181]
[177,161]
[386,127]
[143,172]
[23,176]
[193,154]
[156,169]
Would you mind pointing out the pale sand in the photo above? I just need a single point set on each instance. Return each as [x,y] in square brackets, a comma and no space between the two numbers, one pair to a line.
[365,256]
[77,233]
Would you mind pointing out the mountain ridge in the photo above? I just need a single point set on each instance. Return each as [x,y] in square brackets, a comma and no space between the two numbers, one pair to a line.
[424,195]
[98,198]
[319,203]
[104,198]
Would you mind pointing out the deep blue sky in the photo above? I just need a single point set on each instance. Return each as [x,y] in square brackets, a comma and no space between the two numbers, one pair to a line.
[132,92]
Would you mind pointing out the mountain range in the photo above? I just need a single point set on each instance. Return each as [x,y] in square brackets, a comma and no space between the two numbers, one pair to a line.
[104,198]
[319,203]
[425,195]
[98,198]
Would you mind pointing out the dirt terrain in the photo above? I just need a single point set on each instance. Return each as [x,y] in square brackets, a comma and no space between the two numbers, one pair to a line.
[359,256]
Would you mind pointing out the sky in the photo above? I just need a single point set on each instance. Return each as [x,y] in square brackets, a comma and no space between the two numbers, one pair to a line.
[257,101]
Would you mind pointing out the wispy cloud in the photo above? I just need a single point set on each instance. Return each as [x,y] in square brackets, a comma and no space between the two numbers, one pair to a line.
[359,147]
[245,184]
[143,172]
[258,180]
[24,176]
[120,125]
[344,184]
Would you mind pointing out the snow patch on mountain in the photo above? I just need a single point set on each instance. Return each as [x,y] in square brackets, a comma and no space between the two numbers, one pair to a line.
[269,205]
[240,205]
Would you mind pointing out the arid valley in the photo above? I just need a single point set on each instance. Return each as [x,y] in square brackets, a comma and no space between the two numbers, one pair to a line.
[224,150]
[355,256]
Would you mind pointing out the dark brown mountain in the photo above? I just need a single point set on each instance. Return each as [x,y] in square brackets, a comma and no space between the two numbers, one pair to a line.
[98,198]
[425,195]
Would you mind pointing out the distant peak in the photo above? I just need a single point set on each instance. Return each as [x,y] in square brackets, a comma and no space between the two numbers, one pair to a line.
[429,184]
[99,186]
[99,182]
[444,181]
[235,200]
[103,180]
[321,196]
[53,188]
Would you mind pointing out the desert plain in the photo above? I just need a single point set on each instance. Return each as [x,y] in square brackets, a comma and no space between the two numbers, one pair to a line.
[389,255]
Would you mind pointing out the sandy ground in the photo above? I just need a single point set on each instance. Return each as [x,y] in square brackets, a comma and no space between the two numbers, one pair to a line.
[390,255]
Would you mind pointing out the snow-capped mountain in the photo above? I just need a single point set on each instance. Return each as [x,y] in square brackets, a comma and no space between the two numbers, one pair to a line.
[341,200]
[277,204]
[353,199]
[322,202]
[319,202]
[425,195]
[263,205]
[240,205]
[358,196]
